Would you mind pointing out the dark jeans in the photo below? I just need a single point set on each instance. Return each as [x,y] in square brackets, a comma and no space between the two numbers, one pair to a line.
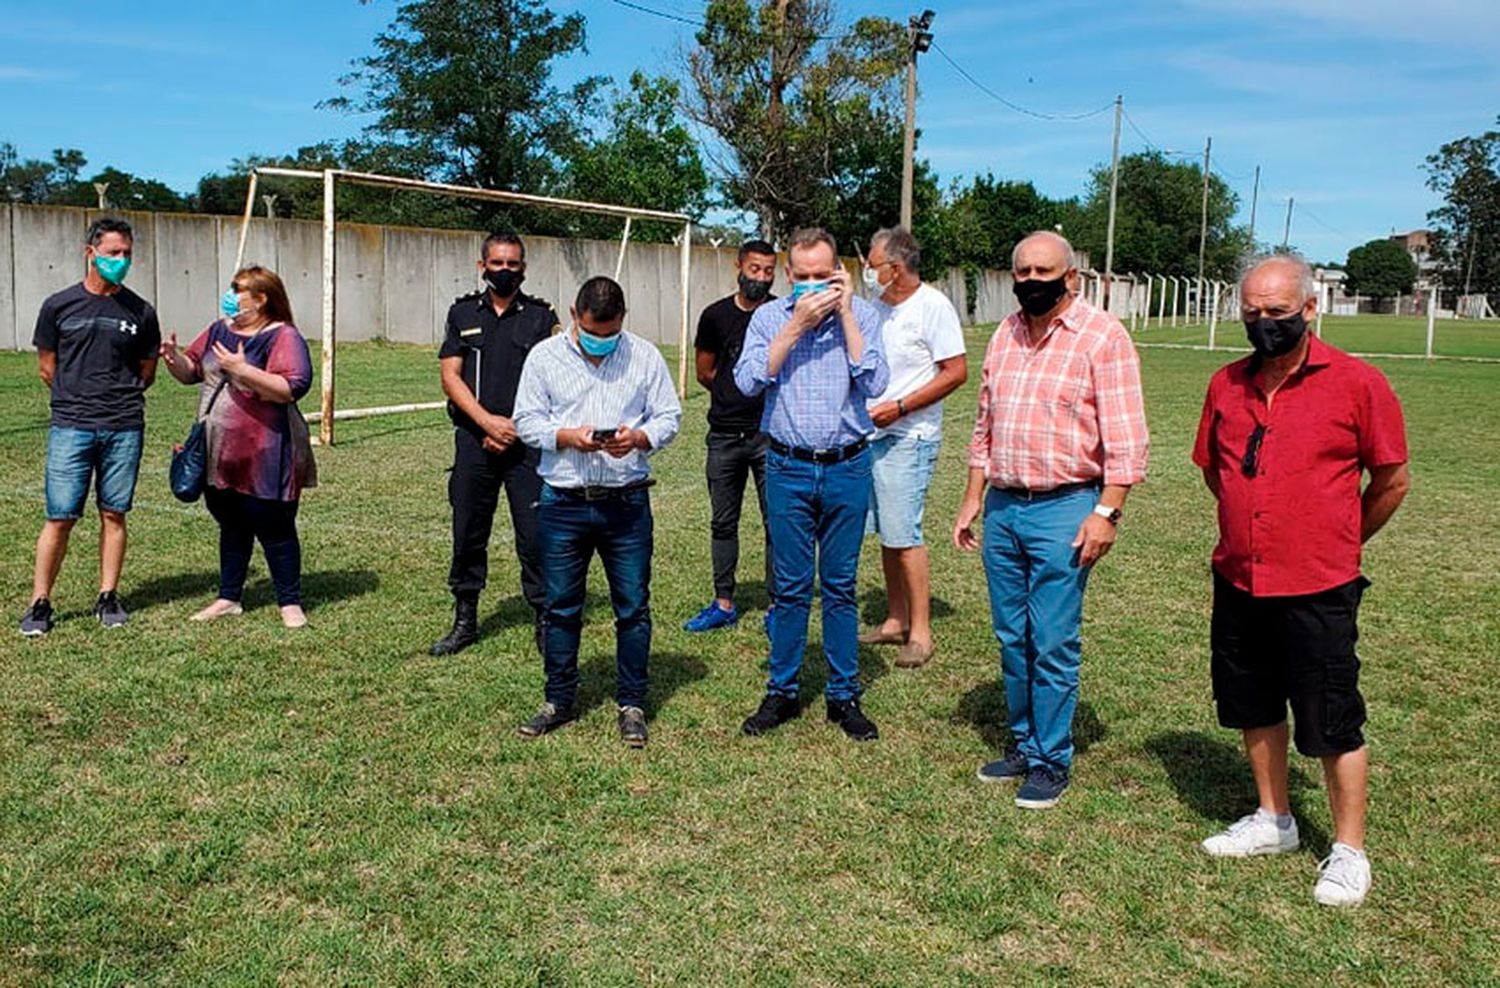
[819,522]
[244,519]
[734,457]
[474,493]
[570,531]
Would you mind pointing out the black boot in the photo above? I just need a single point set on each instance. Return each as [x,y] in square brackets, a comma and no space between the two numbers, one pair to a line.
[465,628]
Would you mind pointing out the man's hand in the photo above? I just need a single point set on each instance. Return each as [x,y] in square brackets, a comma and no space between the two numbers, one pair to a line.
[811,309]
[844,285]
[580,438]
[964,539]
[884,414]
[1095,538]
[499,429]
[626,441]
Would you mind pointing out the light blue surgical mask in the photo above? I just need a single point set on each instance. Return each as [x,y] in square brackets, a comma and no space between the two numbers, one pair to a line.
[229,304]
[597,346]
[112,269]
[801,288]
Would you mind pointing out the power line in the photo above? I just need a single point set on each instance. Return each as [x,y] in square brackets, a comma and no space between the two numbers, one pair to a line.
[663,14]
[1010,103]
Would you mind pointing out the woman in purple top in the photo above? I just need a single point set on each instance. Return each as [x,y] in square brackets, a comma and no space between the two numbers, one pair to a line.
[252,366]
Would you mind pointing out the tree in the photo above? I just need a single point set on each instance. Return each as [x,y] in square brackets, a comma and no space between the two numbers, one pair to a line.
[981,224]
[1380,269]
[1157,219]
[647,158]
[1466,234]
[805,116]
[462,93]
[34,180]
[126,191]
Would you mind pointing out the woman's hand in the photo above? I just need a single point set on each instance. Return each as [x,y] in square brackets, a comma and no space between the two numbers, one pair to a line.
[179,364]
[231,362]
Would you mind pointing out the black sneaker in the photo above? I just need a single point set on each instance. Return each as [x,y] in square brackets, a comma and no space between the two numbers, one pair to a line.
[109,610]
[548,718]
[774,711]
[633,726]
[37,620]
[846,714]
[1042,789]
[1008,769]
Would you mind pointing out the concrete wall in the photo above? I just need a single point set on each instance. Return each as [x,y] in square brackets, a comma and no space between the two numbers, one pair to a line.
[394,283]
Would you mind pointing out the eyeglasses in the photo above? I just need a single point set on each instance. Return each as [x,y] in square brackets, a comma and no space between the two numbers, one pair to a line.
[1249,465]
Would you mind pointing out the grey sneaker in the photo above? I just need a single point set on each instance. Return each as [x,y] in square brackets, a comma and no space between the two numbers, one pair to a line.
[548,718]
[37,620]
[633,726]
[109,610]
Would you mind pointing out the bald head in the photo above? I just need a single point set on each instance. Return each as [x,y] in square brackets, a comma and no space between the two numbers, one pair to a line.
[1278,287]
[1041,251]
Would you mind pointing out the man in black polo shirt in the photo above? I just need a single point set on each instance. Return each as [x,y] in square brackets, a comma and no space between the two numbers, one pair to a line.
[736,446]
[486,340]
[96,344]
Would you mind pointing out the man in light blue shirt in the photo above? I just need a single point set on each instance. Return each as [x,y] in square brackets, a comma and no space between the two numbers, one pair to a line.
[597,401]
[817,357]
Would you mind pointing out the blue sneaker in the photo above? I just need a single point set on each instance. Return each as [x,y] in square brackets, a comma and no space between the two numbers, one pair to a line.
[712,618]
[770,619]
[1042,789]
[1008,769]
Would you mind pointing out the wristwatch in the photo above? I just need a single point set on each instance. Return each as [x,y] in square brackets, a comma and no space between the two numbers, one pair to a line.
[1111,515]
[901,407]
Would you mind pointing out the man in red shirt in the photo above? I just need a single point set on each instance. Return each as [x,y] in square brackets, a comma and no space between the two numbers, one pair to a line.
[1059,440]
[1285,439]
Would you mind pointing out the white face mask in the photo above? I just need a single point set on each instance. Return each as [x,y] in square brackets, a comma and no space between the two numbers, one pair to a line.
[872,277]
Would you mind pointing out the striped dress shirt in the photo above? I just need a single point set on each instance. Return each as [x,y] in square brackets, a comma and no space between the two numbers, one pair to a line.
[1067,410]
[562,389]
[817,401]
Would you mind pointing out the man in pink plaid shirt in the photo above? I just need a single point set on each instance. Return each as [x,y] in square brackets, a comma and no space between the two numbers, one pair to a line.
[1059,441]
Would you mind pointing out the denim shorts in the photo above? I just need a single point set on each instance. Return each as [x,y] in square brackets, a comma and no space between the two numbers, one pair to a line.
[901,468]
[76,456]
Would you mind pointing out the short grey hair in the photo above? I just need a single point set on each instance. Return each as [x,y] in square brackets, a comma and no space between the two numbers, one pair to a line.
[1306,282]
[900,246]
[1072,255]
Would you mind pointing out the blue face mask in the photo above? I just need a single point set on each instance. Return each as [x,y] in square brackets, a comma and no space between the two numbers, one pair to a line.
[801,288]
[229,304]
[597,346]
[112,269]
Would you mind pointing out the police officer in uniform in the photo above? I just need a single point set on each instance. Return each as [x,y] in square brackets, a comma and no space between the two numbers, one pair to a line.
[486,340]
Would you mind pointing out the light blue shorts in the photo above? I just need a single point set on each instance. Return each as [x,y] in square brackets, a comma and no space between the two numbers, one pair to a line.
[111,458]
[901,467]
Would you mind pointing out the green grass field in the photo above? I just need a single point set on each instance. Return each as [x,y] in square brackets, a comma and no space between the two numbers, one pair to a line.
[1362,334]
[243,805]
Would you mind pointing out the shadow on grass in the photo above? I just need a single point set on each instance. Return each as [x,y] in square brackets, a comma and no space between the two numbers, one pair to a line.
[1213,779]
[983,708]
[318,588]
[872,608]
[668,672]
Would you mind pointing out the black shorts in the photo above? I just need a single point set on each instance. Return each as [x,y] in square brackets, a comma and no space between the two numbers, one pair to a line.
[1268,651]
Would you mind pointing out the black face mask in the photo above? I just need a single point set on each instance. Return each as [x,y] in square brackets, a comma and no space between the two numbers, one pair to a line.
[505,282]
[1038,297]
[753,289]
[1275,337]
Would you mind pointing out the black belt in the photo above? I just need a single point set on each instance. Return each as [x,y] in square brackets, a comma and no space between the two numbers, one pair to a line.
[600,493]
[824,456]
[1030,495]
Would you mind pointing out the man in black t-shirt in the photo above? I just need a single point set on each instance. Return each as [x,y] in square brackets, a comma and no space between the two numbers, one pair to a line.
[96,344]
[736,446]
[485,342]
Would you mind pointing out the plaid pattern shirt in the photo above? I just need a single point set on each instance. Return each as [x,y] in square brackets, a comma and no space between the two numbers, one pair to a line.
[1067,410]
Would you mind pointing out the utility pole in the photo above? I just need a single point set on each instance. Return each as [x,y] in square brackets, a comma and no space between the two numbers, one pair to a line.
[1254,201]
[920,39]
[1114,195]
[1469,276]
[1286,234]
[1208,149]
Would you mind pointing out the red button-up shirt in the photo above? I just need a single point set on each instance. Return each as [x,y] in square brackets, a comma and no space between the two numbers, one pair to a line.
[1294,527]
[1064,411]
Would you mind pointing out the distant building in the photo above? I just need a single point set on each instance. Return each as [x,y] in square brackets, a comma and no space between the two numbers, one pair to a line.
[1418,244]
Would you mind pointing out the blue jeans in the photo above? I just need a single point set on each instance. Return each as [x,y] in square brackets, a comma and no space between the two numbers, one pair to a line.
[75,456]
[1036,605]
[817,512]
[569,532]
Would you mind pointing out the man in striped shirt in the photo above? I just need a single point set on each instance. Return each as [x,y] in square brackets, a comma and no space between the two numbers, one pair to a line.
[597,401]
[1059,441]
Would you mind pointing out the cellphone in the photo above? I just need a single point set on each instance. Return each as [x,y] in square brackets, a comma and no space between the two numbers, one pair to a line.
[602,436]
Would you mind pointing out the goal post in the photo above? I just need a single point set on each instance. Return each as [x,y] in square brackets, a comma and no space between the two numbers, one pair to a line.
[331,177]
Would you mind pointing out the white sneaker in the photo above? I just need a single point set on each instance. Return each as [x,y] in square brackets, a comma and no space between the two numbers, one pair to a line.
[1343,877]
[1253,834]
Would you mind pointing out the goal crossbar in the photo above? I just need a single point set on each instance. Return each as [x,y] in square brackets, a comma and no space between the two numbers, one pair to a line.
[332,176]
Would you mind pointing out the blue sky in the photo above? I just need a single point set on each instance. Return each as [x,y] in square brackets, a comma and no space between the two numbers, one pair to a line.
[1338,101]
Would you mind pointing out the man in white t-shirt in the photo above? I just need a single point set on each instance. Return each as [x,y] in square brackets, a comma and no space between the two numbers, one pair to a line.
[925,350]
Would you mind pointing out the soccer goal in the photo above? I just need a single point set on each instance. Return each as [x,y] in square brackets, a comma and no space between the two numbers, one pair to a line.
[331,178]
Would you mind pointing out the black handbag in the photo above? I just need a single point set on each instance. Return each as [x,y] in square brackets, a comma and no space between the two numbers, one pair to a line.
[190,457]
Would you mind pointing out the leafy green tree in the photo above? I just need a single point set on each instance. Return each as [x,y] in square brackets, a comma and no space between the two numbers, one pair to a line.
[981,223]
[1157,219]
[804,115]
[126,191]
[1380,269]
[1466,227]
[35,181]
